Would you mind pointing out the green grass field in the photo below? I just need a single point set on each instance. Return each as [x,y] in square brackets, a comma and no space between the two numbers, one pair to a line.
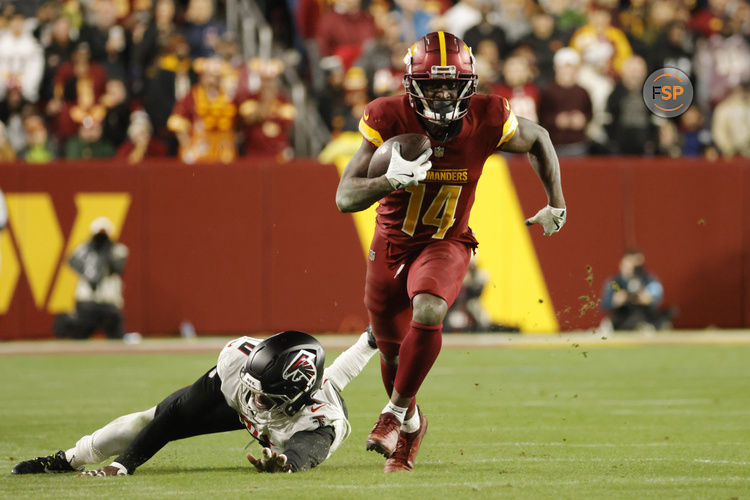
[567,422]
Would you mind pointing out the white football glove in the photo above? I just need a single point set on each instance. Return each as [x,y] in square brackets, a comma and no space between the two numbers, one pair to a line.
[402,173]
[552,219]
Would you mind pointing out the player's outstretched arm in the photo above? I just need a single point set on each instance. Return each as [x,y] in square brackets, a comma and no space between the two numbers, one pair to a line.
[356,191]
[533,139]
[349,363]
[304,450]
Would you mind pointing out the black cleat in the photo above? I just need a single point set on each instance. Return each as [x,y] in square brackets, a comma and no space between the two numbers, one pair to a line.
[41,465]
[371,337]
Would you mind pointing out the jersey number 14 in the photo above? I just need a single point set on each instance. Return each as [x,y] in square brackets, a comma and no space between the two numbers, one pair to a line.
[441,212]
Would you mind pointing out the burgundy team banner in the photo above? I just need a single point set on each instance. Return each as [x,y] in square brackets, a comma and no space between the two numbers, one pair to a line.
[259,246]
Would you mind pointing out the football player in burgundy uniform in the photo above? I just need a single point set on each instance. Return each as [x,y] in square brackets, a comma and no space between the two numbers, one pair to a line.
[422,243]
[275,388]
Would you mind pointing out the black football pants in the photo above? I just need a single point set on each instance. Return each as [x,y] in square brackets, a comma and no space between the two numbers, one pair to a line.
[191,411]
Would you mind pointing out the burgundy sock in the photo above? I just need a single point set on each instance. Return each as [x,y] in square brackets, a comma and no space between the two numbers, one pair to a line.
[388,371]
[419,351]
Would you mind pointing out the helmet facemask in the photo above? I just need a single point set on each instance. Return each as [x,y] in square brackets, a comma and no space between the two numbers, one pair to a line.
[265,407]
[441,110]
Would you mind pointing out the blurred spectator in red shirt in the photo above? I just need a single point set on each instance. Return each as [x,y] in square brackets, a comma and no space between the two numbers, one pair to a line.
[267,114]
[204,119]
[21,59]
[307,16]
[710,19]
[565,106]
[140,143]
[518,87]
[344,29]
[79,84]
[201,30]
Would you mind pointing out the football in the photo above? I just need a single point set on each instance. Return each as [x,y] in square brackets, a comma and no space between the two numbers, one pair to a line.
[412,145]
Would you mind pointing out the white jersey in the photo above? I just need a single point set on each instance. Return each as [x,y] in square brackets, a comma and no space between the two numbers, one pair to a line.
[328,409]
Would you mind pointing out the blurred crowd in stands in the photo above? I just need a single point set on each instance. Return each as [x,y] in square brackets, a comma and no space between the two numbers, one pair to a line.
[133,79]
[152,78]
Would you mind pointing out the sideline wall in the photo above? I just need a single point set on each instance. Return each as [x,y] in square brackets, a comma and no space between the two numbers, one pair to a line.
[256,247]
[259,246]
[690,217]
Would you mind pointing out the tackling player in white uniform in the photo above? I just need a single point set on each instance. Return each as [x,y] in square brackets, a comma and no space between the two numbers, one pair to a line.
[275,388]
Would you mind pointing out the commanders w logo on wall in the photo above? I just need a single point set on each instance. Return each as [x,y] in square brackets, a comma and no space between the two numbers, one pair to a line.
[301,368]
[36,245]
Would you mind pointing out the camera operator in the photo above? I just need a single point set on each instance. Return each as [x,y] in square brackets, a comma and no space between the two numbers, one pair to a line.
[99,263]
[632,297]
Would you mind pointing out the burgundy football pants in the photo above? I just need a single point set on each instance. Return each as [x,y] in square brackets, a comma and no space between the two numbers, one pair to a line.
[438,269]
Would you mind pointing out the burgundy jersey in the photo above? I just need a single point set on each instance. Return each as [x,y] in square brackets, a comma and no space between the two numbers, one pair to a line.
[438,208]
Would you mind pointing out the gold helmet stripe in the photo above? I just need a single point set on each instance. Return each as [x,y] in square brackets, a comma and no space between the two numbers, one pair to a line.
[443,52]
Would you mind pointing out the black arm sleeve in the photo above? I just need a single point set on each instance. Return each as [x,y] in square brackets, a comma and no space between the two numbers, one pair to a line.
[306,449]
[194,410]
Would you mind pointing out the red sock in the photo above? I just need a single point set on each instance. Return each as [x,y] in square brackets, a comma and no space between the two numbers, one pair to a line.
[388,371]
[419,351]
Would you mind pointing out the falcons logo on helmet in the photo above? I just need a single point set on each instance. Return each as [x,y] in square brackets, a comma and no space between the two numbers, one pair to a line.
[302,367]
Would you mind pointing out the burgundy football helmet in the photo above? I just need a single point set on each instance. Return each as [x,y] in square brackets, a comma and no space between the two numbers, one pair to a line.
[436,59]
